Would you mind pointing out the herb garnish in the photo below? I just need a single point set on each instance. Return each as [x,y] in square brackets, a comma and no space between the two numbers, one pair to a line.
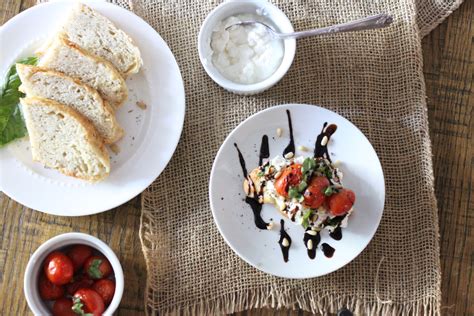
[78,307]
[94,270]
[306,217]
[328,191]
[12,125]
[293,193]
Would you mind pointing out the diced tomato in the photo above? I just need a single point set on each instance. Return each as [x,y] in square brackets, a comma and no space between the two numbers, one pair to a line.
[291,176]
[341,202]
[314,195]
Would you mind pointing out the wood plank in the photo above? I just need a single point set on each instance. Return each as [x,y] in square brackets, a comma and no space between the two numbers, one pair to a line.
[8,9]
[449,56]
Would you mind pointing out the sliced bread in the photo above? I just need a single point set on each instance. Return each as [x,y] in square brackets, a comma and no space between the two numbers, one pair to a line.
[66,57]
[49,84]
[64,140]
[97,34]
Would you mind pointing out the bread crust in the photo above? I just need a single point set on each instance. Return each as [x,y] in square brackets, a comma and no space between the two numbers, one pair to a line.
[27,71]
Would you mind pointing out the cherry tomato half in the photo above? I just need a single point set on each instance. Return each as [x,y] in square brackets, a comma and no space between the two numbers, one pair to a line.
[63,307]
[106,289]
[49,291]
[58,268]
[88,301]
[341,202]
[314,195]
[78,255]
[291,176]
[98,267]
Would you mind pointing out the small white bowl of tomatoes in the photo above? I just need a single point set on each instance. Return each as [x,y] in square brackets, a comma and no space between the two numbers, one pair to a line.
[73,274]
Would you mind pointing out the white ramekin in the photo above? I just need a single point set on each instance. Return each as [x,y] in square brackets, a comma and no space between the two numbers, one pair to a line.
[232,7]
[35,264]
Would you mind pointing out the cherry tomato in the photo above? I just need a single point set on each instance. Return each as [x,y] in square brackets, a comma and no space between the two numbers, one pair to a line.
[314,195]
[58,268]
[81,281]
[49,291]
[291,176]
[341,202]
[63,307]
[98,267]
[78,255]
[89,301]
[106,289]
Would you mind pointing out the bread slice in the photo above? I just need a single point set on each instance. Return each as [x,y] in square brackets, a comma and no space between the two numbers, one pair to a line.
[50,84]
[64,140]
[97,34]
[68,58]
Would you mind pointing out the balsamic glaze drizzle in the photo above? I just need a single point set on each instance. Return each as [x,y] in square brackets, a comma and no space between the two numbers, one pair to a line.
[321,151]
[337,233]
[283,235]
[254,204]
[291,146]
[328,250]
[257,210]
[315,240]
[242,161]
[264,150]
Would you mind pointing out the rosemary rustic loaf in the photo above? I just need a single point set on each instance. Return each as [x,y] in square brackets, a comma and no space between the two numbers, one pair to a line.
[49,84]
[63,139]
[66,57]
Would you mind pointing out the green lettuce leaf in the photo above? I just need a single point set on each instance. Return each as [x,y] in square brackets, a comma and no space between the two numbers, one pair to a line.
[12,125]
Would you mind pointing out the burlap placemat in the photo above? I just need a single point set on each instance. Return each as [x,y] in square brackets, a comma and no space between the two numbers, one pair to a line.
[374,79]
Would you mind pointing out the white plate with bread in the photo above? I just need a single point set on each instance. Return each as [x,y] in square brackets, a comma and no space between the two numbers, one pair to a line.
[104,107]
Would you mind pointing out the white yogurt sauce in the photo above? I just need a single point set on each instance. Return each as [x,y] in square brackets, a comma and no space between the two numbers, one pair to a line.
[245,54]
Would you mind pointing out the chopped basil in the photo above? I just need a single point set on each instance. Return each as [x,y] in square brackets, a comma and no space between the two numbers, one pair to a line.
[329,190]
[306,217]
[335,221]
[302,186]
[293,193]
[308,165]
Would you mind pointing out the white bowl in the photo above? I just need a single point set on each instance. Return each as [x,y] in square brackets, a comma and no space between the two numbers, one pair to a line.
[30,285]
[233,7]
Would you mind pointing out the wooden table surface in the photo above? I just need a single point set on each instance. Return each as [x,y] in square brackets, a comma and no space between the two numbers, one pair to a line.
[448,67]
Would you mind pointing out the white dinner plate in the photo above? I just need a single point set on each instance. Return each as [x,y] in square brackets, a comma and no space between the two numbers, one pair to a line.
[234,218]
[151,135]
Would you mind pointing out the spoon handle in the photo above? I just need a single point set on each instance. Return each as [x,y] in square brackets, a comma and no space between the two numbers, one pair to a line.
[368,23]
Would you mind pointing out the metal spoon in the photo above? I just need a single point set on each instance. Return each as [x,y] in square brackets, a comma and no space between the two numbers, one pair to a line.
[368,23]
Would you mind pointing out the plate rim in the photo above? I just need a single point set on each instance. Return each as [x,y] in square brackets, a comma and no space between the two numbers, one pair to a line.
[213,170]
[181,110]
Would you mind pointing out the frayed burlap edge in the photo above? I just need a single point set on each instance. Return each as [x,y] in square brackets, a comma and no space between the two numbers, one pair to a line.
[317,304]
[426,27]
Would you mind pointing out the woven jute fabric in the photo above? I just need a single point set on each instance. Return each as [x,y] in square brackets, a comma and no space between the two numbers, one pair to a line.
[373,78]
